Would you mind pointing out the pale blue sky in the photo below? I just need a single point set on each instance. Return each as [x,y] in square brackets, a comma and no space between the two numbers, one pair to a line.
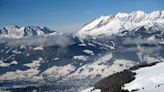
[67,15]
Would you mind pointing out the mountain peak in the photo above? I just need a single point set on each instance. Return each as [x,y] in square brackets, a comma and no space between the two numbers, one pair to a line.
[25,31]
[110,25]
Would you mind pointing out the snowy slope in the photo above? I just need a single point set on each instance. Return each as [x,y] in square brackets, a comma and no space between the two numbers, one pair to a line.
[109,25]
[102,67]
[148,79]
[91,89]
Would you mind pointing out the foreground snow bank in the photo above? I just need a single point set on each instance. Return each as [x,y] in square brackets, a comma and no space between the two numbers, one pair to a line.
[160,89]
[91,89]
[148,79]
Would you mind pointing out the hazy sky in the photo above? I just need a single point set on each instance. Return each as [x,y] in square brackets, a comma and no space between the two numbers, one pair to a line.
[67,15]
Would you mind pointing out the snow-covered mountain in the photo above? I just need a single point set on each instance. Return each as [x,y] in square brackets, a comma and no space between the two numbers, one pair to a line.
[103,47]
[27,31]
[114,24]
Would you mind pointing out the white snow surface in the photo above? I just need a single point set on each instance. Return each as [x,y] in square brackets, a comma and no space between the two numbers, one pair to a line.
[59,70]
[91,89]
[2,64]
[148,79]
[109,25]
[100,67]
[88,52]
[19,74]
[38,48]
[80,57]
[159,89]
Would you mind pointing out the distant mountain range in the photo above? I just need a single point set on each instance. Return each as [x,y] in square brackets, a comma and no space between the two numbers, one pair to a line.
[27,31]
[106,45]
